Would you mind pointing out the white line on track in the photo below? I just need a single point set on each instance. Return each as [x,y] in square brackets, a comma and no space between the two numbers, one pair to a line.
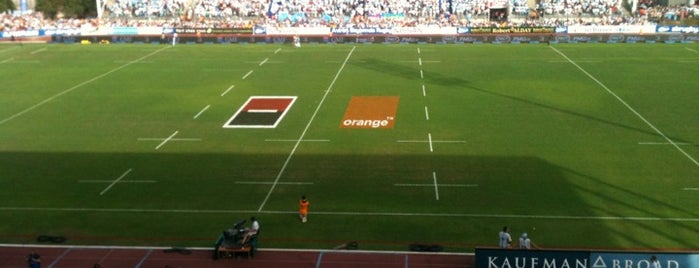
[115,181]
[228,89]
[648,123]
[354,213]
[166,140]
[79,85]
[308,125]
[247,74]
[264,61]
[202,111]
[427,114]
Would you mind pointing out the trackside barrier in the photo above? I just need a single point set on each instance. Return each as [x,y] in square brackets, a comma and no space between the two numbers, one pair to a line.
[387,39]
[509,258]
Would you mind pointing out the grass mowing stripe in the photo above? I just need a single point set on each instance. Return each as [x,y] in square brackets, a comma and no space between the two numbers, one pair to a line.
[78,86]
[308,125]
[627,106]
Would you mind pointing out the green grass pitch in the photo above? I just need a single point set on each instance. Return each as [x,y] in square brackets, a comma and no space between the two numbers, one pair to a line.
[581,146]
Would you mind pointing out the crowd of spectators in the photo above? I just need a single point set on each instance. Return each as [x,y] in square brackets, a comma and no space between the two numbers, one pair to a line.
[352,13]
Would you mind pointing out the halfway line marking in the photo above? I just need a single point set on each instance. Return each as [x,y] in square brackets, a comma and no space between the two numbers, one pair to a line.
[627,106]
[79,85]
[303,134]
[202,111]
[115,181]
[229,89]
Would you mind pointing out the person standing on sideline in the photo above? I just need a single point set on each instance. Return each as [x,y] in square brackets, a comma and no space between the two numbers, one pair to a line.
[505,238]
[303,208]
[525,242]
[654,263]
[34,260]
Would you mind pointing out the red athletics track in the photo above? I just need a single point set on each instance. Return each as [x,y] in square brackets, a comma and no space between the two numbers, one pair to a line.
[12,256]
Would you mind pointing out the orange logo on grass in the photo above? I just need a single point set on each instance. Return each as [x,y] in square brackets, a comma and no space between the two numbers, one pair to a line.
[370,112]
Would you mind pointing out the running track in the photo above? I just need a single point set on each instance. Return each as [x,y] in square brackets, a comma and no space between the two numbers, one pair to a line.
[106,257]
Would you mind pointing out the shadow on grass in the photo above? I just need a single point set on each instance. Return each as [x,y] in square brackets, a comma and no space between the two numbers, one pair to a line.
[203,192]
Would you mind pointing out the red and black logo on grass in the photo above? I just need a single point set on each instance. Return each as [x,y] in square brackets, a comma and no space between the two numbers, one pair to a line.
[261,112]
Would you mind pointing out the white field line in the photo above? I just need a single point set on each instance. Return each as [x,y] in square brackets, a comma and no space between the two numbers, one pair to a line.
[418,50]
[433,141]
[424,92]
[115,181]
[202,111]
[271,182]
[228,89]
[122,181]
[353,213]
[429,139]
[665,143]
[264,61]
[691,189]
[648,123]
[173,139]
[303,134]
[58,259]
[290,140]
[263,111]
[422,75]
[692,50]
[7,60]
[78,86]
[38,50]
[427,114]
[436,186]
[166,140]
[419,61]
[8,49]
[432,185]
[247,74]
[334,251]
[277,51]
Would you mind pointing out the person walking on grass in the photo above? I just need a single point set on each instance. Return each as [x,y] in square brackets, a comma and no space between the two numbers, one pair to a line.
[303,208]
